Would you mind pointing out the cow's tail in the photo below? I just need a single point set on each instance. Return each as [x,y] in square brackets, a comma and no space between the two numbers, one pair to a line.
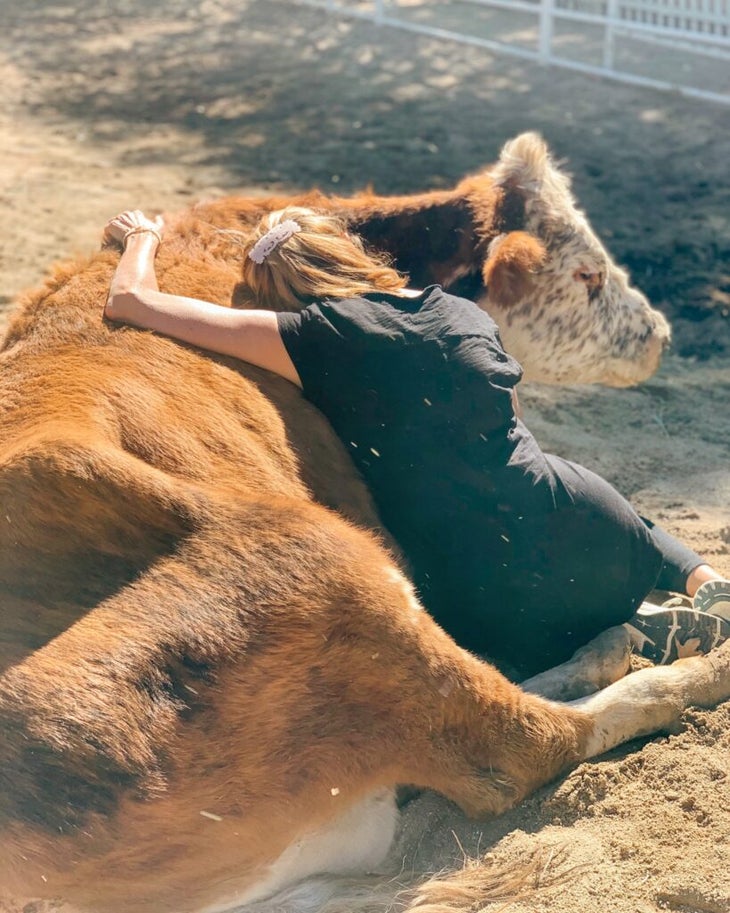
[481,884]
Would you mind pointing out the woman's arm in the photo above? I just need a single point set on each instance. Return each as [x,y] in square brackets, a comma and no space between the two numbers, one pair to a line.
[134,298]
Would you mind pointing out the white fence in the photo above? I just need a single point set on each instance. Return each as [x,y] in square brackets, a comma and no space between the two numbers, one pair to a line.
[666,44]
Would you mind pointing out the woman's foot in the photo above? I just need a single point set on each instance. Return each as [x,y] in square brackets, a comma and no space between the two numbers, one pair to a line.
[674,631]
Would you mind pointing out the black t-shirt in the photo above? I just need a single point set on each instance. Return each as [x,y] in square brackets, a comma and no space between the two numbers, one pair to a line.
[406,382]
[419,391]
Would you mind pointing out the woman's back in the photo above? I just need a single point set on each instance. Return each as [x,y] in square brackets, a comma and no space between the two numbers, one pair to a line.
[408,383]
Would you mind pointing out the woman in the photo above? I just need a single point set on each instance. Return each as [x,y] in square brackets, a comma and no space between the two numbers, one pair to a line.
[515,552]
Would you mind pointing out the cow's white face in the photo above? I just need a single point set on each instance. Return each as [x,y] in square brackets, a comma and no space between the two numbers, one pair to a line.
[564,307]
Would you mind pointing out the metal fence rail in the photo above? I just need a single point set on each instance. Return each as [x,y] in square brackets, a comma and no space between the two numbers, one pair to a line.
[681,45]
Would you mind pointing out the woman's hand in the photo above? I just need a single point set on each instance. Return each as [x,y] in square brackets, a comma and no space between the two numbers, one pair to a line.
[132,222]
[139,238]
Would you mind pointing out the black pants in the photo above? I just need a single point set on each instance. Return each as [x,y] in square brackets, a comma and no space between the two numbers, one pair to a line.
[528,583]
[678,561]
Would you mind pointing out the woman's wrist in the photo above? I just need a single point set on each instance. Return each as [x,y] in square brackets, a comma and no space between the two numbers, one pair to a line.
[142,236]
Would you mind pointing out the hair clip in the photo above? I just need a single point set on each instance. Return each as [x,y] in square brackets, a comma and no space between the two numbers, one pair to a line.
[272,239]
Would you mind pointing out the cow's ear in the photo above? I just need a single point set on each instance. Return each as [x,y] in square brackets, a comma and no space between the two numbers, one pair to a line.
[524,163]
[512,261]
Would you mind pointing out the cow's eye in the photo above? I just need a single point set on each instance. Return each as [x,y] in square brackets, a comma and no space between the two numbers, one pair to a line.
[592,279]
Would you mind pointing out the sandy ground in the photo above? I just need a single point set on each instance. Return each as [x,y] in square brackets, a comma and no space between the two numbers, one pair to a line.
[120,103]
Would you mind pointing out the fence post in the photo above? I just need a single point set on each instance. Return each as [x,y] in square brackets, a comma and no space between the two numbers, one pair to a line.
[609,44]
[545,46]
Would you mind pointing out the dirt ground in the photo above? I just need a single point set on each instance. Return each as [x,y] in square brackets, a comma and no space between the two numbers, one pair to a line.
[120,103]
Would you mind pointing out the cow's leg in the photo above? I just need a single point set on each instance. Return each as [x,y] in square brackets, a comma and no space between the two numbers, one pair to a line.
[463,728]
[239,697]
[652,700]
[601,662]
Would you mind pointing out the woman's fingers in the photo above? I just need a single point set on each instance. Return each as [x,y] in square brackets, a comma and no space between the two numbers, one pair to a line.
[121,225]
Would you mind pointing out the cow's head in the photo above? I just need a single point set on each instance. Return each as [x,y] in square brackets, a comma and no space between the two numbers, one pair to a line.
[562,304]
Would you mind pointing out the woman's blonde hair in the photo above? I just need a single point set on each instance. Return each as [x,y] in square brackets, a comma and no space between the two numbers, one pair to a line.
[320,260]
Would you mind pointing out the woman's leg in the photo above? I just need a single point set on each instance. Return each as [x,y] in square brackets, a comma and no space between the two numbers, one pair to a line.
[534,576]
[673,630]
[606,541]
[529,581]
[682,570]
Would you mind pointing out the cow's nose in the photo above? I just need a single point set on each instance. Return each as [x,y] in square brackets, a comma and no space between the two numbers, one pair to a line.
[662,331]
[656,345]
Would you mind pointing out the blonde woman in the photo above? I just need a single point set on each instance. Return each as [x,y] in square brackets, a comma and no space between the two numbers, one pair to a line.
[517,553]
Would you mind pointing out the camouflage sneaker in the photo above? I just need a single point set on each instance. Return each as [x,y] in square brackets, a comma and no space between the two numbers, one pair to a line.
[665,633]
[713,597]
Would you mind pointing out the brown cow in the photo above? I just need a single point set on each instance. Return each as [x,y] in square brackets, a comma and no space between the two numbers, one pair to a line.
[210,681]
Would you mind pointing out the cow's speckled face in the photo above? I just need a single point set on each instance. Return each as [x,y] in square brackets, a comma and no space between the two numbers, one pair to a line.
[575,318]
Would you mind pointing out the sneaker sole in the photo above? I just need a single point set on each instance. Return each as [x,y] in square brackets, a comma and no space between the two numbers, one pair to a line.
[713,597]
[666,634]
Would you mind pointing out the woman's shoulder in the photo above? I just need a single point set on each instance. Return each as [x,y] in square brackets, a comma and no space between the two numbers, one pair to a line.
[469,309]
[460,316]
[430,314]
[372,315]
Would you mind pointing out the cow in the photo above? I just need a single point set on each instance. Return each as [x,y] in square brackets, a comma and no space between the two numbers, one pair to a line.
[214,670]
